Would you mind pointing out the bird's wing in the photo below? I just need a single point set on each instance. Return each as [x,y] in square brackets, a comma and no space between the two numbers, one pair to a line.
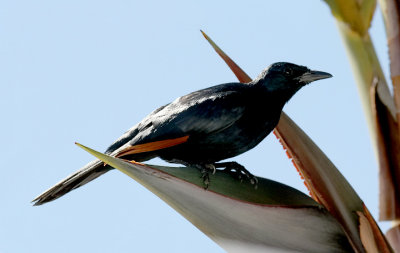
[196,114]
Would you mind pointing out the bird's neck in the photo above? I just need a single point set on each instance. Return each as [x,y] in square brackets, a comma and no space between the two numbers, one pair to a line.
[278,97]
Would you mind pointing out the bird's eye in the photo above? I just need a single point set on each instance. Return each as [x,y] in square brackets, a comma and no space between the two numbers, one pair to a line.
[288,72]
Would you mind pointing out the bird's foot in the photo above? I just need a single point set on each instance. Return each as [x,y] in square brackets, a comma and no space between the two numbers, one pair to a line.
[238,171]
[205,170]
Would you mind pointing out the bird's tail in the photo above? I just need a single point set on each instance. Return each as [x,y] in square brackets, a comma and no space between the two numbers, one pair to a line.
[96,168]
[86,174]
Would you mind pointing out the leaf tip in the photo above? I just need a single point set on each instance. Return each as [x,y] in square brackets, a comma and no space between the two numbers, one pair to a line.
[204,34]
[83,147]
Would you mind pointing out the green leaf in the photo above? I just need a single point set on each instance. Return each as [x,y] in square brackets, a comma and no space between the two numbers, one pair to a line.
[239,217]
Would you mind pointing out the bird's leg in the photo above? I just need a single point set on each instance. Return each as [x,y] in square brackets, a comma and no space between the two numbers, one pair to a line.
[205,170]
[238,171]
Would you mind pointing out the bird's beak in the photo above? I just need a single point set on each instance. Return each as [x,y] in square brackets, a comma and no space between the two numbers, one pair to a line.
[313,75]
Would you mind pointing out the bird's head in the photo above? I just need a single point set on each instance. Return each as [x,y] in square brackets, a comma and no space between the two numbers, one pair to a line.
[288,77]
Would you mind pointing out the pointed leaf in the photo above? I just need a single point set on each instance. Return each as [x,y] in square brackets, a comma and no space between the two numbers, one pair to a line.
[239,73]
[272,218]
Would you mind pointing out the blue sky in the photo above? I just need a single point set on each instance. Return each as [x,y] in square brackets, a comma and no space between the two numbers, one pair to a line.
[86,71]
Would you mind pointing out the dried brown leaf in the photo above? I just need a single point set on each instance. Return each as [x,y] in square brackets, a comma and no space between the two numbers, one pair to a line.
[391,13]
[389,158]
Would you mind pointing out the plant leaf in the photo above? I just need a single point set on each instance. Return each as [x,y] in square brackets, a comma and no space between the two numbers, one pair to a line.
[274,217]
[391,15]
[367,70]
[389,159]
[240,74]
[357,14]
[387,127]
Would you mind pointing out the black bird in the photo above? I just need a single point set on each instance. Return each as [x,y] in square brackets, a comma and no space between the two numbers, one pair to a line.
[203,127]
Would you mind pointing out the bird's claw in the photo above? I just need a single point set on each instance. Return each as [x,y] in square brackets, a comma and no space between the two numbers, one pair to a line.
[205,170]
[206,177]
[211,167]
[240,172]
[235,169]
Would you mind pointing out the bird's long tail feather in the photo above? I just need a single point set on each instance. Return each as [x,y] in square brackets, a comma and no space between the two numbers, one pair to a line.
[97,168]
[86,174]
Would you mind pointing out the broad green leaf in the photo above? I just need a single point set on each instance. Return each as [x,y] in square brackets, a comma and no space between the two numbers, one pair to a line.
[239,217]
[326,184]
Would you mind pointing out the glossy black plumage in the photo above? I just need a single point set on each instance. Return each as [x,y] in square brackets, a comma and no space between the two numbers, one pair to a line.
[222,121]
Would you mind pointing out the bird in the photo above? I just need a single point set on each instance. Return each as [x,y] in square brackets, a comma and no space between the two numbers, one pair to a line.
[204,127]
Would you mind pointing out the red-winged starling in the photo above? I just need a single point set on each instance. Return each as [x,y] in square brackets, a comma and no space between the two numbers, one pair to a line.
[203,127]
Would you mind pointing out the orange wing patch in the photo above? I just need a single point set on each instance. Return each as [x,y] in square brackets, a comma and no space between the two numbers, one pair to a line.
[152,146]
